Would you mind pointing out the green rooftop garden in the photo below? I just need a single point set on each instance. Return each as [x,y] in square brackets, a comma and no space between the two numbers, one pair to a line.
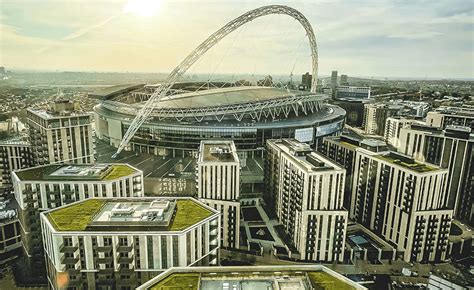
[415,166]
[118,171]
[37,173]
[323,281]
[188,212]
[76,217]
[178,282]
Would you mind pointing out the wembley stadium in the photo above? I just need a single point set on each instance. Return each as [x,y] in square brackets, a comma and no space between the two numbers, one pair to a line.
[191,112]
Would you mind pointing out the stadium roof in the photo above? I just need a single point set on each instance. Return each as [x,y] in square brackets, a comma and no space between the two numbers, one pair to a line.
[226,96]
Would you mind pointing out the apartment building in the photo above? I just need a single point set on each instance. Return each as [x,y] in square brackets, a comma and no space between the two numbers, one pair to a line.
[342,150]
[393,125]
[15,153]
[451,148]
[120,243]
[218,185]
[309,199]
[61,133]
[454,116]
[50,186]
[403,201]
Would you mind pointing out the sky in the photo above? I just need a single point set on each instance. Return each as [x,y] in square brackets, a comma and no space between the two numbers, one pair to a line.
[378,38]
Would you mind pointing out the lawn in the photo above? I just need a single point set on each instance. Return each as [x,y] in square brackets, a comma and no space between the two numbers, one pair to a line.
[36,173]
[118,171]
[178,282]
[188,212]
[251,214]
[75,217]
[325,281]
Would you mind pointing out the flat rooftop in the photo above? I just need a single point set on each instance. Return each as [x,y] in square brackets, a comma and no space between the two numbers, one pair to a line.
[218,151]
[126,214]
[304,156]
[251,278]
[49,114]
[406,162]
[64,172]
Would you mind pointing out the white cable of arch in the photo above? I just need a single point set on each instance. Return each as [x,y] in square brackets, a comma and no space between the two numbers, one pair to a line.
[213,39]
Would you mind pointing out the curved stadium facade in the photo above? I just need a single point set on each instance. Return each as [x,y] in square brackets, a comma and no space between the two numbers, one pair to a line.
[249,115]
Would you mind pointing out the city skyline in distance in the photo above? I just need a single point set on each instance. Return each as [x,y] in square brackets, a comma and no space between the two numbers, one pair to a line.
[358,38]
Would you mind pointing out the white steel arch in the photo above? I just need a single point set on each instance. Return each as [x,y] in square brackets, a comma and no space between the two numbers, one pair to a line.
[213,39]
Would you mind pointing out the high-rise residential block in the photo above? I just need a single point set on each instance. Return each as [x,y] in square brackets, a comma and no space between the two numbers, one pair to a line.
[403,201]
[308,199]
[50,186]
[334,82]
[61,134]
[451,148]
[120,243]
[306,80]
[15,153]
[218,185]
[454,116]
[344,81]
[393,126]
[342,150]
[375,115]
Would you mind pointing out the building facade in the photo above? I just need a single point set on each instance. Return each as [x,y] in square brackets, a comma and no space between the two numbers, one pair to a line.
[403,201]
[342,150]
[375,115]
[15,154]
[451,148]
[309,200]
[393,126]
[50,186]
[353,92]
[121,243]
[218,186]
[61,134]
[454,116]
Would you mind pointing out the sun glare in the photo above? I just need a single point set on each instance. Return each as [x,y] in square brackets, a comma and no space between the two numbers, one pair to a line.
[144,8]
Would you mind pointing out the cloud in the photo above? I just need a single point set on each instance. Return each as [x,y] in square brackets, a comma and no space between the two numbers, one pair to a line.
[358,37]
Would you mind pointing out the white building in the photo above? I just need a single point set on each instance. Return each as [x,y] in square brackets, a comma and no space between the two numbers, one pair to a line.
[49,186]
[404,201]
[120,243]
[353,92]
[309,199]
[393,125]
[218,185]
[61,134]
[455,116]
[451,148]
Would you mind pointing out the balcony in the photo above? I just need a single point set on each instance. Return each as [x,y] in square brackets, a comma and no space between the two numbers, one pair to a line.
[105,271]
[68,249]
[124,248]
[105,260]
[103,248]
[125,260]
[70,260]
[126,270]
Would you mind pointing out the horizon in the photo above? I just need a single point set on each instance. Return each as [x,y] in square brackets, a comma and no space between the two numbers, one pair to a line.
[128,36]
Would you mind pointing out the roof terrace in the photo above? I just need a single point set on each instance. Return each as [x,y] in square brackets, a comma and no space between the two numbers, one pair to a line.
[218,151]
[254,277]
[158,214]
[406,162]
[97,172]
